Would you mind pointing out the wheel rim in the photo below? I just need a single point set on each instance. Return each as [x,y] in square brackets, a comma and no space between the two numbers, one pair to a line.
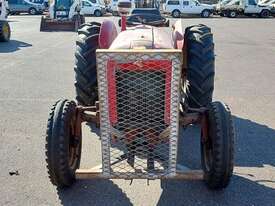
[97,13]
[176,14]
[232,14]
[205,14]
[74,147]
[33,11]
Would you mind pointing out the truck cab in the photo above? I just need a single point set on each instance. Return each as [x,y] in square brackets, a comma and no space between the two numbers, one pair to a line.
[187,7]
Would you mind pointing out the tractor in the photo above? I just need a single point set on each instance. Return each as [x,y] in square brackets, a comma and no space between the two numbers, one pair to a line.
[64,15]
[5,31]
[140,86]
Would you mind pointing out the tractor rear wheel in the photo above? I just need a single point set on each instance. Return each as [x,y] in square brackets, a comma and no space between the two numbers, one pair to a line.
[200,65]
[85,64]
[63,148]
[217,148]
[5,31]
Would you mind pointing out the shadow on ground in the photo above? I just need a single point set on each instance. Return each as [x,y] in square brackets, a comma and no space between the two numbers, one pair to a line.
[255,147]
[12,46]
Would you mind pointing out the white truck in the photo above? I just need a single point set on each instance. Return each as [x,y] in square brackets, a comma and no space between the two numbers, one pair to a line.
[245,7]
[187,7]
[93,7]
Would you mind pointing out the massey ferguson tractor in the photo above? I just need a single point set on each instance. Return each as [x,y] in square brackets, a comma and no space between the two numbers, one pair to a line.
[5,31]
[140,86]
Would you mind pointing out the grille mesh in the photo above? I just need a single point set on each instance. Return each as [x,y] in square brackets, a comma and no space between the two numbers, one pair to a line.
[138,94]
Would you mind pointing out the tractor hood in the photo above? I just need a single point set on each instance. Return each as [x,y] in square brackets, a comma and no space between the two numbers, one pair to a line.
[143,37]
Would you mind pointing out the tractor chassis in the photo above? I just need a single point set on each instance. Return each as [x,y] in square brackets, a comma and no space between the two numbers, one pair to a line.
[91,114]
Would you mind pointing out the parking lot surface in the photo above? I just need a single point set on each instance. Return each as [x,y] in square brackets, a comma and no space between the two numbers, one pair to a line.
[36,69]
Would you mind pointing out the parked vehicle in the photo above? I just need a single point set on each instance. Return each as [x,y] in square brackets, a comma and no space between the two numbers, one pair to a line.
[113,7]
[245,7]
[219,5]
[178,7]
[93,7]
[24,6]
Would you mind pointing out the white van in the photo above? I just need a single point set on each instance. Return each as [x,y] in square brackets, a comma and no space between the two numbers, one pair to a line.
[178,7]
[93,7]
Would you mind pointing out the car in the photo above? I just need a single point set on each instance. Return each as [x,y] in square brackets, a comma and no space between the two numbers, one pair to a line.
[188,7]
[147,16]
[245,7]
[25,6]
[93,7]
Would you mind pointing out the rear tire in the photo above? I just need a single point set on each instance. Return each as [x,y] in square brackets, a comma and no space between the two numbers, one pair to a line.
[5,31]
[63,149]
[232,14]
[200,65]
[265,13]
[217,152]
[85,64]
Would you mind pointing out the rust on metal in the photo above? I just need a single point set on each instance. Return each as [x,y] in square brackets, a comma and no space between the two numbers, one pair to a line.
[86,114]
[96,173]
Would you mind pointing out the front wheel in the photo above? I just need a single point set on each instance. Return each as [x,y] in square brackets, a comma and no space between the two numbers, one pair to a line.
[205,13]
[63,147]
[217,146]
[98,13]
[176,14]
[32,11]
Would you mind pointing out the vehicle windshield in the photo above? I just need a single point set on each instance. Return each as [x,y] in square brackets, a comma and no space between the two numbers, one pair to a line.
[146,11]
[64,4]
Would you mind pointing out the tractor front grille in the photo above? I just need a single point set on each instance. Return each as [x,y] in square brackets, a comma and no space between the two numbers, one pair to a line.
[139,97]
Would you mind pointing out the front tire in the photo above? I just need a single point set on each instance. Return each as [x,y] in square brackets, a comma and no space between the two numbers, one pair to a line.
[5,31]
[176,14]
[217,151]
[32,11]
[85,64]
[205,13]
[200,65]
[97,13]
[63,148]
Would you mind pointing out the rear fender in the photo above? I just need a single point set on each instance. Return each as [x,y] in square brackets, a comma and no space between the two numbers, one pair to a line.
[107,34]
